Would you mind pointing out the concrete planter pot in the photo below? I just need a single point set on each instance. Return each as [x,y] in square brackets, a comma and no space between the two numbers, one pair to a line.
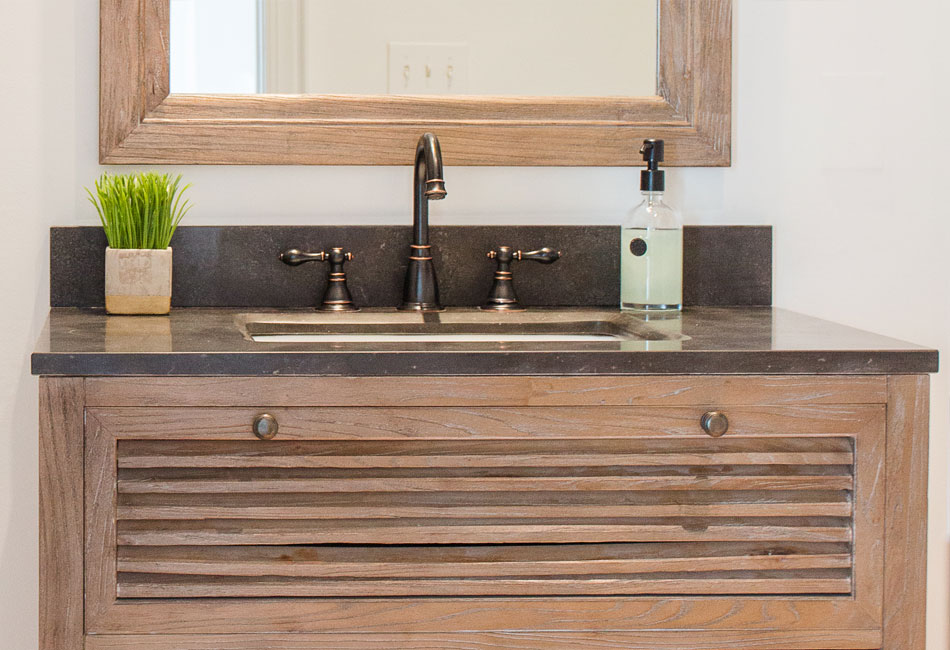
[138,281]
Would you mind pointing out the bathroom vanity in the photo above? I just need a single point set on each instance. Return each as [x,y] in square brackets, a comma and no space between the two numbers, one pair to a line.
[732,478]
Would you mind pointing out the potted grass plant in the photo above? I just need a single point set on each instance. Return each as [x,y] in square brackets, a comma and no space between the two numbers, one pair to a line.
[139,213]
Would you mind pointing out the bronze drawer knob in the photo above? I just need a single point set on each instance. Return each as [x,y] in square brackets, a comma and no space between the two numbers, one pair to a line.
[265,426]
[715,423]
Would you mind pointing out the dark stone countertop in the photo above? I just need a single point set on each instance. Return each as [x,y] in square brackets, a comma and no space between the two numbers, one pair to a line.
[716,340]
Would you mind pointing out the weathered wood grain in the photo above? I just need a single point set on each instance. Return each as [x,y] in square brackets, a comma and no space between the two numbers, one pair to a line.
[399,454]
[712,79]
[155,52]
[121,72]
[784,390]
[612,640]
[100,538]
[61,513]
[377,110]
[468,484]
[363,505]
[570,431]
[494,425]
[432,531]
[818,581]
[769,616]
[141,123]
[675,56]
[869,491]
[478,561]
[905,538]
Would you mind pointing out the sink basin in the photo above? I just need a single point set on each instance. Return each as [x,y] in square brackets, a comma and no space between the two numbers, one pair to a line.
[452,326]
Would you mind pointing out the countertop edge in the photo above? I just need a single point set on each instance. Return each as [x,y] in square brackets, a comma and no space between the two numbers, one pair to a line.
[421,363]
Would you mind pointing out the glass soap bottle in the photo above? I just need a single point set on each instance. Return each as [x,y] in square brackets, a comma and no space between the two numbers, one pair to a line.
[651,244]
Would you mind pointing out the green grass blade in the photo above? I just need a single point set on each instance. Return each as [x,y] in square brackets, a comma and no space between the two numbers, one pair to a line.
[140,210]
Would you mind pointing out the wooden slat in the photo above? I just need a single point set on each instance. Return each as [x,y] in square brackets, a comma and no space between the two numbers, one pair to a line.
[905,561]
[478,561]
[135,454]
[486,391]
[476,471]
[435,531]
[536,460]
[183,449]
[61,513]
[200,511]
[505,484]
[823,581]
[853,639]
[369,505]
[497,499]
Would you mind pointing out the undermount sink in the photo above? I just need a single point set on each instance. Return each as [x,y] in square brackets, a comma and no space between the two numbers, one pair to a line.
[452,326]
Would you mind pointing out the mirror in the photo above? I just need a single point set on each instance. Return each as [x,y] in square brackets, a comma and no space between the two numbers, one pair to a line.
[413,47]
[516,82]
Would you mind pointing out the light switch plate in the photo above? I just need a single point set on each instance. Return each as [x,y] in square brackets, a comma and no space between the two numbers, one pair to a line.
[428,68]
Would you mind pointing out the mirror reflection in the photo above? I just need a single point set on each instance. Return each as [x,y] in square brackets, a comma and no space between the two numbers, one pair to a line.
[423,47]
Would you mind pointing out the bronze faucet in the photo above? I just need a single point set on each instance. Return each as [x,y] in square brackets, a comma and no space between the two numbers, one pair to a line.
[421,291]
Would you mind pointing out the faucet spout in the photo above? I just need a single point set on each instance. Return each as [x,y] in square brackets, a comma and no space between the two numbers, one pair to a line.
[421,290]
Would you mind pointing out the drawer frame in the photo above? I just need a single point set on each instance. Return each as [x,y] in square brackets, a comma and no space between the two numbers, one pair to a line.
[105,614]
[634,622]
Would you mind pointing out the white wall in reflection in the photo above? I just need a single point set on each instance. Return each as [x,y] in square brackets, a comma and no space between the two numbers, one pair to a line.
[444,47]
[214,46]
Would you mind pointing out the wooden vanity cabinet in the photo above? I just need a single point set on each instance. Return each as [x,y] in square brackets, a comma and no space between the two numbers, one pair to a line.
[483,512]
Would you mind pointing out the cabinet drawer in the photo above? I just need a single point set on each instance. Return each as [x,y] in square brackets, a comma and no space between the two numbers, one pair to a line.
[192,515]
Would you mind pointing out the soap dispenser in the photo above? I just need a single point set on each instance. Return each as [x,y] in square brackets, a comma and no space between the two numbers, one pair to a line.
[651,243]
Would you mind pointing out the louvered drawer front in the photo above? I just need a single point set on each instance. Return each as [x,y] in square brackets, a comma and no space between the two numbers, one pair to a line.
[320,518]
[492,502]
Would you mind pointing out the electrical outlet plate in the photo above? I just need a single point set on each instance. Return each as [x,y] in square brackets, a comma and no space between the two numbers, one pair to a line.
[428,68]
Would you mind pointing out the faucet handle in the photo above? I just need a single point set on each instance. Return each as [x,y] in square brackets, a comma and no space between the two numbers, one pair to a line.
[337,296]
[294,257]
[544,255]
[503,296]
[505,255]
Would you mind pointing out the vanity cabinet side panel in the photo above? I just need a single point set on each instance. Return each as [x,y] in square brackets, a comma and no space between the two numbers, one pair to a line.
[61,516]
[905,554]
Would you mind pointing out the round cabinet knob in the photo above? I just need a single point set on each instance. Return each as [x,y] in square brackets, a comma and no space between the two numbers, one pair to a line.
[715,423]
[265,426]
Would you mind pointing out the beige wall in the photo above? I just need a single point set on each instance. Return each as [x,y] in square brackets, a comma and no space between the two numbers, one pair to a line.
[861,232]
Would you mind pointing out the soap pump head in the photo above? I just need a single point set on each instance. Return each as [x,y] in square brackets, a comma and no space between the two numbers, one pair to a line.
[652,179]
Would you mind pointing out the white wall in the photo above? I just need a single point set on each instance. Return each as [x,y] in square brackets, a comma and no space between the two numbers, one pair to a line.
[538,47]
[525,53]
[840,143]
[214,46]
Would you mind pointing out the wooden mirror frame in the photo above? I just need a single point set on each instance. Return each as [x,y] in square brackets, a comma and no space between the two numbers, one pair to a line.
[141,122]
